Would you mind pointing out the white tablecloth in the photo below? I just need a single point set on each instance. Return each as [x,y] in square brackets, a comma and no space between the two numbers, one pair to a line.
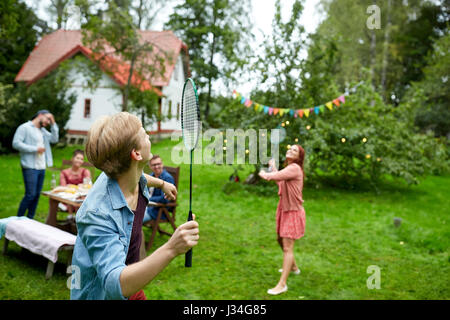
[38,237]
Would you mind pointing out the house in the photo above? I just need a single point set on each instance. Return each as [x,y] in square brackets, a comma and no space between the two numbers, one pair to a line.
[92,103]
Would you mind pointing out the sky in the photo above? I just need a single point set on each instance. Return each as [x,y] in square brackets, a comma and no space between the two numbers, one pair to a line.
[262,14]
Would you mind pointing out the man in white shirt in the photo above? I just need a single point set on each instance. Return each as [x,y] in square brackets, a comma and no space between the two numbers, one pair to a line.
[32,140]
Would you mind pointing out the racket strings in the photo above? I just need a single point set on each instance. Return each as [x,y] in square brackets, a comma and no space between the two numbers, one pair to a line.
[190,117]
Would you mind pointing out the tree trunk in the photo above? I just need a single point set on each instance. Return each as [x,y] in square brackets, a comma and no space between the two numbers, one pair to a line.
[208,97]
[385,51]
[140,14]
[126,91]
[373,54]
[59,6]
[213,50]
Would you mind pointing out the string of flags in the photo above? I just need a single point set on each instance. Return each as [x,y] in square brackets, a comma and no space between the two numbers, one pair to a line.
[339,101]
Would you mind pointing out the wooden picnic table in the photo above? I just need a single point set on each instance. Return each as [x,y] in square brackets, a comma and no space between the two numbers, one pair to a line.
[52,219]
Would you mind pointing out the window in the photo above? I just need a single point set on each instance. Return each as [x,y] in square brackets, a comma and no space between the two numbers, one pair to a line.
[87,108]
[178,111]
[169,112]
[175,75]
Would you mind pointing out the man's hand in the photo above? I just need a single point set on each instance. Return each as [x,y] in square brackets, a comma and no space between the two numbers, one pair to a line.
[185,237]
[170,191]
[40,150]
[52,118]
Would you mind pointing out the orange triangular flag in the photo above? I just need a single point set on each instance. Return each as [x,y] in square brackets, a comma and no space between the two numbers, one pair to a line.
[336,102]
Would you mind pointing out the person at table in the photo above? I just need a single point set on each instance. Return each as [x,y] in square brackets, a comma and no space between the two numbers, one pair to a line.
[75,174]
[158,171]
[32,140]
[106,259]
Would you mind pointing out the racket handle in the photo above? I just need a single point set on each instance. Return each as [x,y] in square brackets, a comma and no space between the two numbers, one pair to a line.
[188,256]
[188,259]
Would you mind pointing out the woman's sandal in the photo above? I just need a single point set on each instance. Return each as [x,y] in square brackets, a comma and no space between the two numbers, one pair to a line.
[274,293]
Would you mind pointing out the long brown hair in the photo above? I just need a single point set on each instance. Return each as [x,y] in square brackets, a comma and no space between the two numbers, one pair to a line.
[301,158]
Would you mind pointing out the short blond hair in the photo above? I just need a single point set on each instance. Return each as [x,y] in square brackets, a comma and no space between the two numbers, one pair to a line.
[110,141]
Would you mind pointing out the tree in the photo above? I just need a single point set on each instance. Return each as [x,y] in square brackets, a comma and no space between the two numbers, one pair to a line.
[359,142]
[113,36]
[428,99]
[146,12]
[414,42]
[279,68]
[20,30]
[395,53]
[216,32]
[58,11]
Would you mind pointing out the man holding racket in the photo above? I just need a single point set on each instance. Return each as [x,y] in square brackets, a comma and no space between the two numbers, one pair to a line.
[105,261]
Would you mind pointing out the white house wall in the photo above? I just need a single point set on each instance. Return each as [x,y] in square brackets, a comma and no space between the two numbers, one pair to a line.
[107,101]
[173,93]
[104,101]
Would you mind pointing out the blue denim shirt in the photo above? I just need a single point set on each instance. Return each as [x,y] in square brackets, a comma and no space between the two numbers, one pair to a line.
[25,142]
[104,223]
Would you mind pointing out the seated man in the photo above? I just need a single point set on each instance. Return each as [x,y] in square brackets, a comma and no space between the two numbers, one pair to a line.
[156,165]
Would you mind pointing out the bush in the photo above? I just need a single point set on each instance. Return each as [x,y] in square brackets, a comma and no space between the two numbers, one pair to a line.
[365,139]
[357,143]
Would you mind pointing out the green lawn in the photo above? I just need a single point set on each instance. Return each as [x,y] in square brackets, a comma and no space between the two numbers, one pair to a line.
[238,257]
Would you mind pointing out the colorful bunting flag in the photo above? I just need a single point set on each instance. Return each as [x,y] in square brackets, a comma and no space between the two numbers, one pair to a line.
[336,102]
[292,112]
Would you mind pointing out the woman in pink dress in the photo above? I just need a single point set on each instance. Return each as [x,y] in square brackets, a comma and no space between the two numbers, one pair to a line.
[290,218]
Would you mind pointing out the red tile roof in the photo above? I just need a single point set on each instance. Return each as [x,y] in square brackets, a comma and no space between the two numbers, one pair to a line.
[63,44]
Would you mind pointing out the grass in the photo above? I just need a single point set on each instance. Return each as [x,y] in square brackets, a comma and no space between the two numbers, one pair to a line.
[238,257]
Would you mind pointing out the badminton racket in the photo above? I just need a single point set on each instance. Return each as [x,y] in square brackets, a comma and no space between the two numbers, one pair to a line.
[190,128]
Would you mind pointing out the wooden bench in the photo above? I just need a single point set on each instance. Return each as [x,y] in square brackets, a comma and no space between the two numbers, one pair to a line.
[41,239]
